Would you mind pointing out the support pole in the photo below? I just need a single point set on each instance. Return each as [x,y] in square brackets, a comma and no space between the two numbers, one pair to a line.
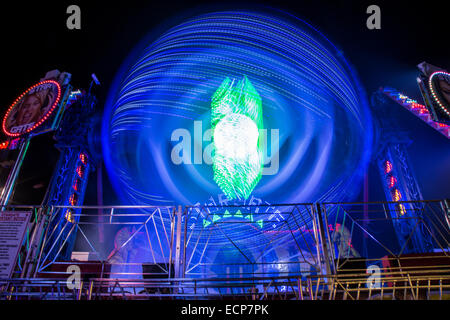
[35,243]
[445,204]
[183,274]
[101,236]
[178,242]
[366,212]
[323,239]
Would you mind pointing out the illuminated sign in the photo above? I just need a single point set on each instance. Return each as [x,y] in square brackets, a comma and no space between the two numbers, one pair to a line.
[32,108]
[434,85]
[439,86]
[13,226]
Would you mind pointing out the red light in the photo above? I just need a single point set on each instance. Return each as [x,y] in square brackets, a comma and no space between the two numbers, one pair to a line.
[396,195]
[83,158]
[391,181]
[38,123]
[73,199]
[423,111]
[401,209]
[14,143]
[4,145]
[76,185]
[387,167]
[69,216]
[416,105]
[80,171]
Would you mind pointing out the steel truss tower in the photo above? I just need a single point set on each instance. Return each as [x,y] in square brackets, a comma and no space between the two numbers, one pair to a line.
[69,181]
[398,179]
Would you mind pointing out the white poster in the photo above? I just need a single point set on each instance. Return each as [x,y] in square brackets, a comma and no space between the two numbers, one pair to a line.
[13,225]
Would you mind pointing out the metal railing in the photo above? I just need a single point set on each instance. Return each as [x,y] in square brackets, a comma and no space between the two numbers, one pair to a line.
[393,286]
[239,252]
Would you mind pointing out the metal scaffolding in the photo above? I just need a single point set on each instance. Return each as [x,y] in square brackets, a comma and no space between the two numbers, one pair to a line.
[308,252]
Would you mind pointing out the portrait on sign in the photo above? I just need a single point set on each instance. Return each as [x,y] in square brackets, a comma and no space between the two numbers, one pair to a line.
[32,108]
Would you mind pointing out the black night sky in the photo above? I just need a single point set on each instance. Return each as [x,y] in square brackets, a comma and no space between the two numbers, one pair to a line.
[35,39]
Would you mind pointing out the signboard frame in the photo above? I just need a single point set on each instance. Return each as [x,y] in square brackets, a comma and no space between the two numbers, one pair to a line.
[17,241]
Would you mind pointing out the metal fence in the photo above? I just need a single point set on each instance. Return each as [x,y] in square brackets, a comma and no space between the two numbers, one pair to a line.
[290,251]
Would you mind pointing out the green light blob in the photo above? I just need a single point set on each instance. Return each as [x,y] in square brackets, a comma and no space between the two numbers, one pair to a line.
[236,119]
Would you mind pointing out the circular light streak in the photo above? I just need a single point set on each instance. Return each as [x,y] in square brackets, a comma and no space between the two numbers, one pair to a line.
[158,133]
[433,90]
[310,96]
[42,119]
